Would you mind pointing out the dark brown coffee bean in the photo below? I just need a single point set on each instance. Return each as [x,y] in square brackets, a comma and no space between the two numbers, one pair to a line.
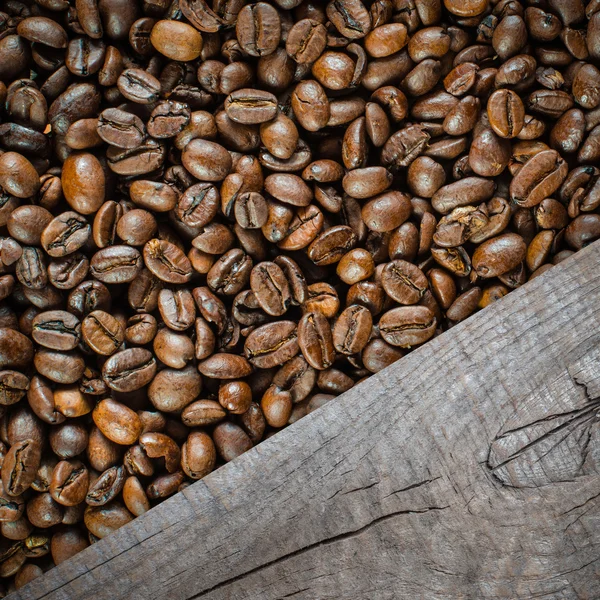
[258,29]
[65,234]
[352,330]
[306,41]
[198,455]
[83,182]
[139,86]
[116,264]
[225,366]
[506,113]
[18,176]
[230,441]
[56,329]
[316,341]
[499,255]
[407,326]
[129,370]
[69,483]
[272,344]
[539,178]
[20,466]
[310,105]
[102,332]
[167,262]
[350,18]
[270,288]
[120,128]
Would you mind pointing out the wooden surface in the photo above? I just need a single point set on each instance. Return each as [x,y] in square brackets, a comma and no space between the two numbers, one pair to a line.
[469,469]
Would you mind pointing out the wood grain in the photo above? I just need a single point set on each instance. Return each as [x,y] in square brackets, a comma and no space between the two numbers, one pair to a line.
[469,469]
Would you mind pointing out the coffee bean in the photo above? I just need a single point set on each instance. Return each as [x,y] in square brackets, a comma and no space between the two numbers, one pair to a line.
[316,341]
[272,344]
[258,29]
[129,370]
[120,128]
[56,329]
[176,40]
[407,326]
[65,234]
[539,178]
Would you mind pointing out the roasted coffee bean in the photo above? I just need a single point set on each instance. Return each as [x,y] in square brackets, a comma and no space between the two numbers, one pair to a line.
[258,29]
[352,330]
[272,344]
[56,329]
[498,255]
[129,370]
[69,483]
[539,178]
[403,282]
[20,466]
[65,234]
[316,341]
[120,128]
[116,264]
[139,86]
[176,40]
[407,326]
[102,332]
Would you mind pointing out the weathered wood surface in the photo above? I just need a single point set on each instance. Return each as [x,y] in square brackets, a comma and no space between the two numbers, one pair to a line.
[470,469]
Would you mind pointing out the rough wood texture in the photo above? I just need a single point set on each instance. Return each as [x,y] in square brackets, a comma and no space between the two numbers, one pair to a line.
[470,469]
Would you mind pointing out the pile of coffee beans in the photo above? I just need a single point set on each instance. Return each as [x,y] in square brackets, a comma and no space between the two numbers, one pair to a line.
[218,215]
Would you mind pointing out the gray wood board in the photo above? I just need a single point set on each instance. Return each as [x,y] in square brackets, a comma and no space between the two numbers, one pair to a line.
[469,469]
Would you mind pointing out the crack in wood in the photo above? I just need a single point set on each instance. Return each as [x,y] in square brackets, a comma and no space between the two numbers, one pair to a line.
[548,450]
[325,542]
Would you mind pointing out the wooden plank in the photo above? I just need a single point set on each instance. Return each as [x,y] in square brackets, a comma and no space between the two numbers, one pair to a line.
[469,469]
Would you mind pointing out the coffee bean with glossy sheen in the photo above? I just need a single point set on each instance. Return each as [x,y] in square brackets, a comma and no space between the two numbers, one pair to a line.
[407,326]
[258,29]
[176,40]
[270,288]
[18,176]
[26,223]
[207,161]
[310,105]
[69,483]
[65,234]
[316,341]
[121,128]
[20,466]
[272,344]
[350,17]
[139,86]
[506,113]
[499,255]
[403,282]
[225,366]
[352,329]
[102,332]
[83,183]
[167,262]
[306,40]
[250,106]
[539,178]
[230,441]
[117,422]
[198,455]
[56,329]
[129,370]
[103,520]
[116,264]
